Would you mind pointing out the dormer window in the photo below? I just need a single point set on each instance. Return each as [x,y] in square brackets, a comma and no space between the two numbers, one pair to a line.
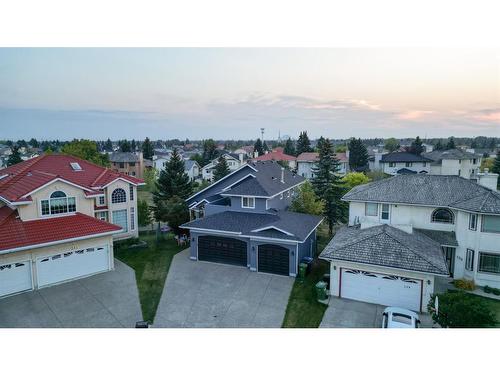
[248,202]
[58,203]
[442,215]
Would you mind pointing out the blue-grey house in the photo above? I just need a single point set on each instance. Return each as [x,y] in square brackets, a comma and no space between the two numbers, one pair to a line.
[242,219]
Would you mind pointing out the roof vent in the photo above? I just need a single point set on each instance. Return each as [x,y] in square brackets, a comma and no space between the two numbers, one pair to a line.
[75,166]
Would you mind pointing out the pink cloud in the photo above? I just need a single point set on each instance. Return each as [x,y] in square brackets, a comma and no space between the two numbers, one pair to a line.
[489,116]
[413,114]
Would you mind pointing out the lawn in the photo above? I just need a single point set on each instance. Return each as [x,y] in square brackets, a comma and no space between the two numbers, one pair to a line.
[151,265]
[494,305]
[303,310]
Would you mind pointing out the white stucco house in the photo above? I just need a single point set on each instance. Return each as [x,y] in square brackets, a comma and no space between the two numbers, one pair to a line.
[306,162]
[408,230]
[402,162]
[192,169]
[454,162]
[59,216]
[234,161]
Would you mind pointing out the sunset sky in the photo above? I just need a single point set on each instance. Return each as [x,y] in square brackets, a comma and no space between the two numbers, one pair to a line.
[231,93]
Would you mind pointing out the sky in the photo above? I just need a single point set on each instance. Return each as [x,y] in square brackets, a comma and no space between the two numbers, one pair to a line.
[231,93]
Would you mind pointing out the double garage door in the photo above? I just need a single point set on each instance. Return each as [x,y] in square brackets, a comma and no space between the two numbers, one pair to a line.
[17,277]
[270,258]
[387,290]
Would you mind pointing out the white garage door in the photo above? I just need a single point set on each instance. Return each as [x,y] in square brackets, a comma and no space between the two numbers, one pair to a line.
[71,265]
[387,290]
[15,277]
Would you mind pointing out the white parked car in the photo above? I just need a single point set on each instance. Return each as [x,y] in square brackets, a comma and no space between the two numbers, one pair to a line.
[396,317]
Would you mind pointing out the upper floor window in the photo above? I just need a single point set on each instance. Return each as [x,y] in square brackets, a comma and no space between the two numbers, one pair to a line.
[131,164]
[371,209]
[409,164]
[118,196]
[491,224]
[385,212]
[131,192]
[248,202]
[122,165]
[442,215]
[392,164]
[58,203]
[472,221]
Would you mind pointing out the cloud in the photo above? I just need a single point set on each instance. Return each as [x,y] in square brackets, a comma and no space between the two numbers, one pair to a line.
[488,115]
[413,115]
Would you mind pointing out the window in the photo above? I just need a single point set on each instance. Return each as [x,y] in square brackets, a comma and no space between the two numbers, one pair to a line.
[469,260]
[118,196]
[131,164]
[58,203]
[392,164]
[120,219]
[442,215]
[371,209]
[489,263]
[491,224]
[122,165]
[75,166]
[132,218]
[472,221]
[385,211]
[102,216]
[248,202]
[409,164]
[101,201]
[131,192]
[474,161]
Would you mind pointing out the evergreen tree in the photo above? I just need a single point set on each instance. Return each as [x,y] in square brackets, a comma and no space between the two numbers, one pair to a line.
[303,143]
[34,143]
[358,155]
[15,157]
[416,146]
[221,169]
[321,140]
[133,145]
[438,145]
[473,144]
[209,151]
[328,185]
[265,147]
[172,180]
[496,168]
[289,147]
[108,146]
[451,144]
[125,146]
[147,149]
[258,147]
[492,144]
[22,143]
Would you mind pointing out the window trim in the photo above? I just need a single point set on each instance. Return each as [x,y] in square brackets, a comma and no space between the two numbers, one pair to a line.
[443,222]
[479,262]
[49,199]
[124,196]
[388,212]
[366,209]
[469,258]
[248,198]
[473,227]
[131,192]
[132,218]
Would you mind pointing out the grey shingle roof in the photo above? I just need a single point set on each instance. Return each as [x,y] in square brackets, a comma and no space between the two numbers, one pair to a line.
[402,157]
[430,190]
[454,154]
[387,246]
[440,236]
[123,157]
[188,164]
[299,225]
[249,186]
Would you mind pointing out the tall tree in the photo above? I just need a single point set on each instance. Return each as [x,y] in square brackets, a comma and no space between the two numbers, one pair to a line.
[175,213]
[358,155]
[15,156]
[416,146]
[307,202]
[34,143]
[496,165]
[22,143]
[108,146]
[451,144]
[289,147]
[328,185]
[438,145]
[391,144]
[265,147]
[473,144]
[258,147]
[321,140]
[125,146]
[147,149]
[143,213]
[133,145]
[87,150]
[303,143]
[221,169]
[172,180]
[209,150]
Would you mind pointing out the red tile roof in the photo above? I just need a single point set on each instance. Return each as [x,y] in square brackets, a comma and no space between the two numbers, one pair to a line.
[29,175]
[276,154]
[15,233]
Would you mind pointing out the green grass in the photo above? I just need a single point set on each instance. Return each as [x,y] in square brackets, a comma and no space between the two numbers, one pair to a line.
[494,305]
[303,310]
[151,266]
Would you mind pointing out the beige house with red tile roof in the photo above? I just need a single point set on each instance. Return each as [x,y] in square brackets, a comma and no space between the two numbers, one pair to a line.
[277,154]
[59,216]
[307,161]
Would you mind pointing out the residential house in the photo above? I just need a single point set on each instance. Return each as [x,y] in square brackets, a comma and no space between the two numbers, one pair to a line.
[404,163]
[407,232]
[234,161]
[242,219]
[278,155]
[454,162]
[129,163]
[192,169]
[306,162]
[245,150]
[58,218]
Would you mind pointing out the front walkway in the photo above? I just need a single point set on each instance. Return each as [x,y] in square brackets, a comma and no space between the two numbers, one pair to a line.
[106,300]
[205,295]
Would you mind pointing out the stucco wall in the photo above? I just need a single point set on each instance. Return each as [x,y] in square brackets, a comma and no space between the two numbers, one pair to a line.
[123,206]
[416,166]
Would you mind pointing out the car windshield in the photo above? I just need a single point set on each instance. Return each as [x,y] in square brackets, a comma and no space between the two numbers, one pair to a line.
[401,318]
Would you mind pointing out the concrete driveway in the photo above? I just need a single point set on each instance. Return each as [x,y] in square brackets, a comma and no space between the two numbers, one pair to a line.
[204,295]
[346,313]
[106,300]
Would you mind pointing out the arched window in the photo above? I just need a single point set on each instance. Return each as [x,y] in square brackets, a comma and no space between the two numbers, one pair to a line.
[118,196]
[442,215]
[58,203]
[58,194]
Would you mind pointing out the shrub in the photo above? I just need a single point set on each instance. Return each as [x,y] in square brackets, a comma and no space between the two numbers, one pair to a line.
[458,309]
[487,289]
[464,284]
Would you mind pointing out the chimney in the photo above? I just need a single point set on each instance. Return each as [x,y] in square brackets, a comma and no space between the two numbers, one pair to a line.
[241,158]
[282,175]
[487,179]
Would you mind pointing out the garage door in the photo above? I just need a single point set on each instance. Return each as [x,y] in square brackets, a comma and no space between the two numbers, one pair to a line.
[222,250]
[387,290]
[274,259]
[71,265]
[15,278]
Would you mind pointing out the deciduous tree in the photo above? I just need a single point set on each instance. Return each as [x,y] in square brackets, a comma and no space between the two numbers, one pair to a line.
[307,202]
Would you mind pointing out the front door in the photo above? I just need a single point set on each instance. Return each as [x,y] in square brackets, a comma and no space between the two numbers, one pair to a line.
[449,253]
